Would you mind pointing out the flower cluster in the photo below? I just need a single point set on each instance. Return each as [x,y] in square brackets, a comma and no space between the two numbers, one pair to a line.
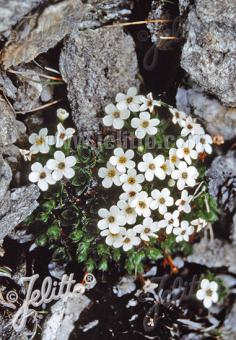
[58,167]
[156,187]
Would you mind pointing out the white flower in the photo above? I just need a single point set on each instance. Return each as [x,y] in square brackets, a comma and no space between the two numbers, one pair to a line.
[186,150]
[41,141]
[208,293]
[128,211]
[191,127]
[130,239]
[130,195]
[153,167]
[63,134]
[183,231]
[203,143]
[161,200]
[110,174]
[183,203]
[147,229]
[114,239]
[129,101]
[185,175]
[27,154]
[173,158]
[199,223]
[62,114]
[122,159]
[178,116]
[131,180]
[61,166]
[115,117]
[170,221]
[144,125]
[41,175]
[148,103]
[142,204]
[112,219]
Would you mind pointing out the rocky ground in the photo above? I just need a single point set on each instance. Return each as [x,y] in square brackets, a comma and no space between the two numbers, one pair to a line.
[74,54]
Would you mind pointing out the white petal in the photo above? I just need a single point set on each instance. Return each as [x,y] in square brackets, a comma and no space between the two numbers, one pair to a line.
[69,173]
[59,156]
[36,167]
[43,185]
[70,161]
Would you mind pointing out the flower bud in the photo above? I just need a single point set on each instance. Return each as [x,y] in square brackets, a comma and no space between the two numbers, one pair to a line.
[62,114]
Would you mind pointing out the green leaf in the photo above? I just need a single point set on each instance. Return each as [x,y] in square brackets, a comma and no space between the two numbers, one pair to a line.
[90,265]
[53,232]
[76,235]
[103,265]
[154,253]
[60,255]
[41,240]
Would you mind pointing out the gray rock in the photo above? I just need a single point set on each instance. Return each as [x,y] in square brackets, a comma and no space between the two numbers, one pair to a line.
[209,54]
[161,10]
[233,230]
[58,20]
[23,203]
[218,119]
[96,65]
[5,178]
[64,314]
[228,330]
[30,90]
[9,131]
[12,11]
[214,254]
[222,180]
[7,86]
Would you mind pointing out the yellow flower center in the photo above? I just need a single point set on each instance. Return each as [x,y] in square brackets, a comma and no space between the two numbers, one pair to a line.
[61,166]
[122,160]
[40,141]
[42,175]
[186,151]
[145,124]
[131,180]
[142,204]
[111,219]
[152,166]
[129,210]
[116,114]
[162,200]
[147,230]
[111,173]
[129,100]
[173,159]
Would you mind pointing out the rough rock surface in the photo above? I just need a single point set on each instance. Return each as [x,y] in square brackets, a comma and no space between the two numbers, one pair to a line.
[58,20]
[8,124]
[233,230]
[222,180]
[209,54]
[12,11]
[23,203]
[161,10]
[218,119]
[214,254]
[96,65]
[5,178]
[228,331]
[30,91]
[64,314]
[7,86]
